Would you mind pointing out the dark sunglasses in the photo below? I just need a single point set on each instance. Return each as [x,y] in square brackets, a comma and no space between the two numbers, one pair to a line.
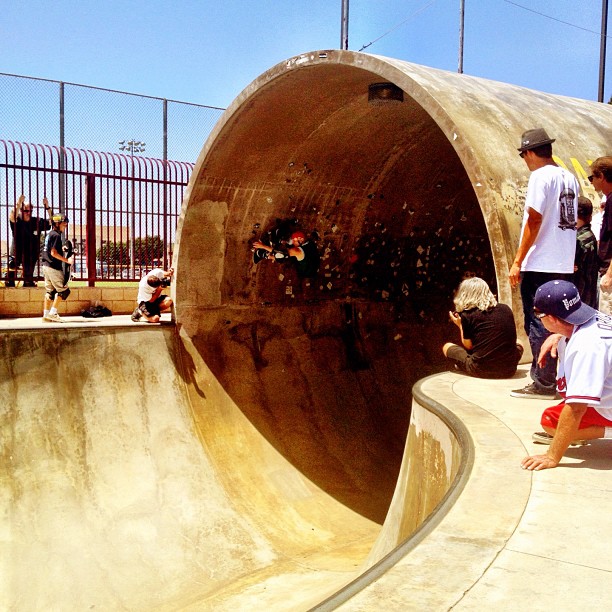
[522,154]
[590,178]
[26,210]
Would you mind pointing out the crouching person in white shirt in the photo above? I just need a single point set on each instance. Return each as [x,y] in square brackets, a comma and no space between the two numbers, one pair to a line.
[151,301]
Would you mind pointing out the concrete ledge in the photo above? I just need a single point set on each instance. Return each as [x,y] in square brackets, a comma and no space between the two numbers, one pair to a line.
[502,535]
[436,467]
[454,547]
[26,302]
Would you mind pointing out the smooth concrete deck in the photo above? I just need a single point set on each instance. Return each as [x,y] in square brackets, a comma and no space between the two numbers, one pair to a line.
[514,540]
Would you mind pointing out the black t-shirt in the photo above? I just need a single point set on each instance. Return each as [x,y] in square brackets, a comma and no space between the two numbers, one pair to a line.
[26,235]
[53,239]
[605,239]
[309,266]
[493,335]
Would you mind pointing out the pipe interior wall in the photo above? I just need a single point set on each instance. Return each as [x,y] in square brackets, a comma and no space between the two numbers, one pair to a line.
[403,200]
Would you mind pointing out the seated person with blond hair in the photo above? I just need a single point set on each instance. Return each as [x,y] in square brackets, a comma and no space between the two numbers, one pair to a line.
[488,333]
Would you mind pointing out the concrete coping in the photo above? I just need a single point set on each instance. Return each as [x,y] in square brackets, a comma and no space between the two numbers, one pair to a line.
[422,395]
[503,534]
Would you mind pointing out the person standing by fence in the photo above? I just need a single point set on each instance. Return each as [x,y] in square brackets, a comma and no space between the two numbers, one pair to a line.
[53,271]
[547,247]
[25,246]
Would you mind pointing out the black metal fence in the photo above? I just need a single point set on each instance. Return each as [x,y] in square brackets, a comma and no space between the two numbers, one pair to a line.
[123,209]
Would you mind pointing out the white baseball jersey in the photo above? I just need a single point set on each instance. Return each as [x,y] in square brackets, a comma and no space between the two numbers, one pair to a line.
[585,365]
[553,192]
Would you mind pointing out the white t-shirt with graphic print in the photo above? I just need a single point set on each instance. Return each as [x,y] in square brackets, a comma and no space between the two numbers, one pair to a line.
[553,192]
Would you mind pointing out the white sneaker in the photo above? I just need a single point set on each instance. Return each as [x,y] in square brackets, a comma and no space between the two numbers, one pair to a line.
[53,318]
[541,437]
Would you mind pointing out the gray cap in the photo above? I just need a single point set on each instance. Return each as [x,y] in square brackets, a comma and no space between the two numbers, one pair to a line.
[534,138]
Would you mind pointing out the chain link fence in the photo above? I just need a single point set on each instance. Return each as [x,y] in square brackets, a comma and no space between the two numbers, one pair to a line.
[92,118]
[80,157]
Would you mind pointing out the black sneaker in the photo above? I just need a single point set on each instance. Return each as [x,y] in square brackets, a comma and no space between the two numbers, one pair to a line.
[136,315]
[531,392]
[259,254]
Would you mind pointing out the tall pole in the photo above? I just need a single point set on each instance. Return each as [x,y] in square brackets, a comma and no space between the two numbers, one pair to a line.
[461,28]
[602,49]
[166,233]
[62,153]
[132,146]
[344,26]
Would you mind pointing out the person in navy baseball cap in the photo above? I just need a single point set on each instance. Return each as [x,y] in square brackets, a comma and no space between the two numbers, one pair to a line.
[561,299]
[584,373]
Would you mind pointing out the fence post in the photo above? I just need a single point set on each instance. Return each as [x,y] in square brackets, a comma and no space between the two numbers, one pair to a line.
[90,228]
[62,164]
[166,233]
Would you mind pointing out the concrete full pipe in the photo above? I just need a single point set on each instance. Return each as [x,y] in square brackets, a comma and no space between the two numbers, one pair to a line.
[403,198]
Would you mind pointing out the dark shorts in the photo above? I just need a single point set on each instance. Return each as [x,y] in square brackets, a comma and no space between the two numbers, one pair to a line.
[463,362]
[460,357]
[150,309]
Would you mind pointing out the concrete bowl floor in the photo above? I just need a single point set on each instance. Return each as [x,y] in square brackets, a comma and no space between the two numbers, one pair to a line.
[515,540]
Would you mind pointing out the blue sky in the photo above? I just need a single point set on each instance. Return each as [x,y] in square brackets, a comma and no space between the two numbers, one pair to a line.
[206,52]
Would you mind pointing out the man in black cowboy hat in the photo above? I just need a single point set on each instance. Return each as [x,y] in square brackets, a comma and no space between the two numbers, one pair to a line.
[546,248]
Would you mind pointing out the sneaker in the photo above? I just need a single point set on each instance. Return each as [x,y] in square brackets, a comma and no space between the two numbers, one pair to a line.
[541,437]
[136,315]
[531,392]
[53,318]
[259,254]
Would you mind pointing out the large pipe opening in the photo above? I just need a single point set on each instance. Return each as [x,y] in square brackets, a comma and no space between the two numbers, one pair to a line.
[331,360]
[404,199]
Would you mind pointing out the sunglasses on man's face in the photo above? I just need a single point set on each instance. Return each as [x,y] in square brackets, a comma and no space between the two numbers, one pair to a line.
[522,154]
[540,315]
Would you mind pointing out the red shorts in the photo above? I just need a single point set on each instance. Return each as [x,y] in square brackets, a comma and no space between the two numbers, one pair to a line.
[591,418]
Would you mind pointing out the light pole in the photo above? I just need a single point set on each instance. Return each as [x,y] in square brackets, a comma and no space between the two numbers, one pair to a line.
[461,33]
[602,49]
[344,24]
[132,147]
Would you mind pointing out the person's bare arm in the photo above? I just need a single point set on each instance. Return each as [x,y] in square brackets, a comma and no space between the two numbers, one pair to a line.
[55,253]
[297,252]
[532,228]
[48,209]
[606,279]
[16,208]
[455,318]
[549,346]
[567,431]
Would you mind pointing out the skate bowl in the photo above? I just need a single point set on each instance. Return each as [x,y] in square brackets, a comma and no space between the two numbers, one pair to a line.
[135,481]
[257,454]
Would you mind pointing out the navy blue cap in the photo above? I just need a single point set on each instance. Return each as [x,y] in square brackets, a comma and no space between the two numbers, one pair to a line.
[561,299]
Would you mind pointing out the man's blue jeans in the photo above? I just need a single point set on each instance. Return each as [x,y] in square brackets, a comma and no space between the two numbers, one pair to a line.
[545,379]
